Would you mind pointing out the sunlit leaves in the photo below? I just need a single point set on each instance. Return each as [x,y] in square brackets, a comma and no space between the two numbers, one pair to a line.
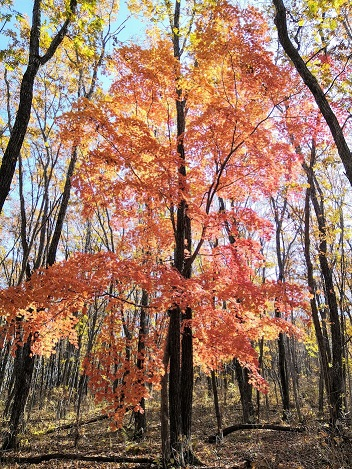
[129,168]
[230,87]
[315,6]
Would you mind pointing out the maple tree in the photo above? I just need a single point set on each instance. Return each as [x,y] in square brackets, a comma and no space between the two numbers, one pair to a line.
[165,137]
[202,127]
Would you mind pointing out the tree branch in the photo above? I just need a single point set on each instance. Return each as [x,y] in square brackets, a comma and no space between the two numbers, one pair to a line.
[256,426]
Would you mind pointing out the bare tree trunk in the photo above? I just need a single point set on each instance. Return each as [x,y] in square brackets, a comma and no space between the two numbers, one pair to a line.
[23,370]
[260,359]
[176,447]
[291,361]
[321,393]
[187,379]
[242,375]
[216,405]
[284,384]
[164,409]
[140,420]
[23,361]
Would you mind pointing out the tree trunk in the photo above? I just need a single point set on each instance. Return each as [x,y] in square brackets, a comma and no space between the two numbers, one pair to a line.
[242,375]
[23,370]
[260,359]
[187,375]
[176,448]
[323,347]
[24,360]
[181,355]
[291,361]
[140,421]
[321,393]
[216,405]
[284,383]
[164,408]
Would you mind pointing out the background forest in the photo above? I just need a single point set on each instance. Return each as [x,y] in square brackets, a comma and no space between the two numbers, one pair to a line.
[176,230]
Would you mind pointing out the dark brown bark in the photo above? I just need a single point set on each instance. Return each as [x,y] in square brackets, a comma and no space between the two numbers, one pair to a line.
[4,359]
[187,374]
[321,394]
[246,391]
[181,355]
[260,360]
[284,383]
[216,404]
[35,61]
[25,269]
[175,385]
[140,420]
[164,408]
[312,83]
[23,371]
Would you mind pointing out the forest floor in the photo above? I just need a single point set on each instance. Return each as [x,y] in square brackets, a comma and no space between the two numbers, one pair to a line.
[253,448]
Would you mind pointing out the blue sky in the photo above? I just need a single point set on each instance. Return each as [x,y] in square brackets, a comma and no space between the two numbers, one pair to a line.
[133,27]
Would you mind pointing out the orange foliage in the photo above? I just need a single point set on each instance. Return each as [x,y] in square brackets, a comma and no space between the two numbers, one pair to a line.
[237,147]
